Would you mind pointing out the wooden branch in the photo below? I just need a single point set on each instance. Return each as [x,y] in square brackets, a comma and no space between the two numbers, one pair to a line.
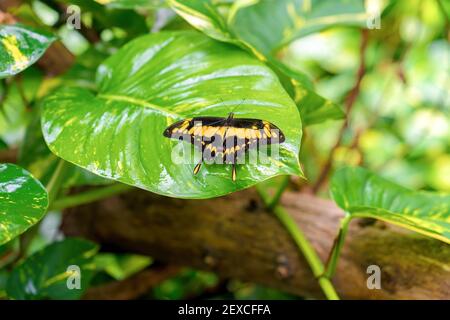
[56,60]
[8,156]
[236,238]
[132,287]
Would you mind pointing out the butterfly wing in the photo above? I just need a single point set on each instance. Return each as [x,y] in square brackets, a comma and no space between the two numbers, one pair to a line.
[197,130]
[256,131]
[223,137]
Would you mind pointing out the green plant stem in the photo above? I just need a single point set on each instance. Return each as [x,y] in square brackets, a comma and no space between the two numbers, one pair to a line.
[337,246]
[89,196]
[303,244]
[54,185]
[53,188]
[276,198]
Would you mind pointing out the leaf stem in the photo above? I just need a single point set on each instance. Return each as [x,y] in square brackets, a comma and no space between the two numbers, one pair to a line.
[53,188]
[303,244]
[89,196]
[56,180]
[276,198]
[337,246]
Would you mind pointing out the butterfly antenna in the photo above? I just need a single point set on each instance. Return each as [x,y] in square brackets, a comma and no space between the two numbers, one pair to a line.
[234,109]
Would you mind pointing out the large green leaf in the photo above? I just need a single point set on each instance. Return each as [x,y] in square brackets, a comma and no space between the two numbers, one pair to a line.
[45,274]
[36,157]
[363,194]
[265,26]
[23,201]
[20,47]
[268,25]
[152,82]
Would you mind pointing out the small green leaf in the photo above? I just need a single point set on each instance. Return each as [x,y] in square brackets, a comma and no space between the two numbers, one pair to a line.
[132,4]
[314,108]
[21,46]
[206,16]
[363,194]
[45,274]
[152,82]
[23,201]
[121,266]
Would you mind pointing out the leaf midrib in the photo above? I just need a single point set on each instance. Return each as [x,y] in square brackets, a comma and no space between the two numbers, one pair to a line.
[140,102]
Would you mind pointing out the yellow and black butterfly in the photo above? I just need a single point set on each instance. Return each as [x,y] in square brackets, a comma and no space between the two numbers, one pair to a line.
[225,139]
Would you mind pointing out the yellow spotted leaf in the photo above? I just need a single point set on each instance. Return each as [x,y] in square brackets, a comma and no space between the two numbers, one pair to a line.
[20,47]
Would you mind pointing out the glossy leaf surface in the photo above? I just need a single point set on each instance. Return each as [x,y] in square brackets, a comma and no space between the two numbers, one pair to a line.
[20,47]
[152,82]
[364,194]
[23,201]
[52,272]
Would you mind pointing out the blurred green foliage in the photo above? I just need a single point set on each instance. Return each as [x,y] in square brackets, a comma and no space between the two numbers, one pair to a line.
[400,122]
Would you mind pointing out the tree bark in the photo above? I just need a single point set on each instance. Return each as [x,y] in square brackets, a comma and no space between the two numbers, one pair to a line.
[132,287]
[8,156]
[235,237]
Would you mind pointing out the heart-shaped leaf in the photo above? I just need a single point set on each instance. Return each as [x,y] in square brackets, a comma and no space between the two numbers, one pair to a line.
[23,201]
[152,82]
[269,25]
[265,26]
[363,194]
[61,270]
[20,47]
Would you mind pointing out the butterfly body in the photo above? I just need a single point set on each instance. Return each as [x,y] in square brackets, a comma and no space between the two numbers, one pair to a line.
[224,139]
